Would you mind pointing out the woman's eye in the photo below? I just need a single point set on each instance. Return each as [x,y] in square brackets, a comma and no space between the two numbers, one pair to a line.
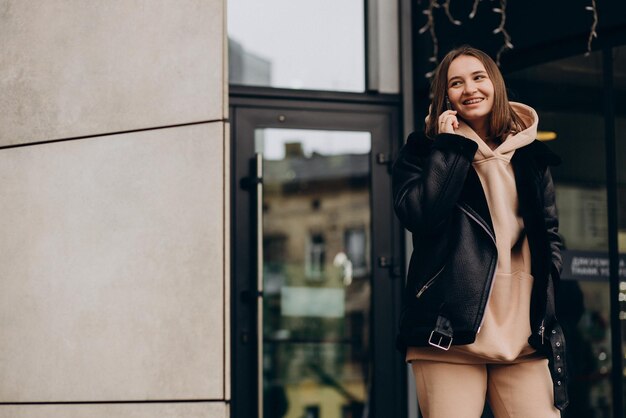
[455,83]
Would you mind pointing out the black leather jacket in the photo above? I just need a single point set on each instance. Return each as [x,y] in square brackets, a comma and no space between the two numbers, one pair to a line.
[439,198]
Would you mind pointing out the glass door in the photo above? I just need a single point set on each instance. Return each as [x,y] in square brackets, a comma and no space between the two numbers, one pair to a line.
[316,272]
[317,212]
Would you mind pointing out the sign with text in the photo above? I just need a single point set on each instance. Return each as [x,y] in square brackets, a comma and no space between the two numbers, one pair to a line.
[589,265]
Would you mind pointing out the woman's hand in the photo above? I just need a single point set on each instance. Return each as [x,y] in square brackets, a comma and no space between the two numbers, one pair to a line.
[447,122]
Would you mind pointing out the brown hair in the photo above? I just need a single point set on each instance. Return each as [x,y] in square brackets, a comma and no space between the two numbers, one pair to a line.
[502,119]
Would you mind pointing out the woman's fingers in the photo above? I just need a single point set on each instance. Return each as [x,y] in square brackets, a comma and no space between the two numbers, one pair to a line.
[448,122]
[446,115]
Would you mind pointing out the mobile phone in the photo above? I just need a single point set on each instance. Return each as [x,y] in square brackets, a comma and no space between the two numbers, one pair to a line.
[448,104]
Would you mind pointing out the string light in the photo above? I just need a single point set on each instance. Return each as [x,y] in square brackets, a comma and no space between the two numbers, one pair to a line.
[430,26]
[507,45]
[446,7]
[500,29]
[593,33]
[474,9]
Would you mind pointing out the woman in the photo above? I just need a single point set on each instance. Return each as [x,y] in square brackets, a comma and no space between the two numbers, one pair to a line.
[476,192]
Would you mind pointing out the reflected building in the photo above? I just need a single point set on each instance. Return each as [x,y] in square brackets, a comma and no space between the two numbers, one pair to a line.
[316,225]
[245,67]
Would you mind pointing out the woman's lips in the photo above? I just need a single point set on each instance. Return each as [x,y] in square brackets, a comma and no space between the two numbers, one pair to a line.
[473,101]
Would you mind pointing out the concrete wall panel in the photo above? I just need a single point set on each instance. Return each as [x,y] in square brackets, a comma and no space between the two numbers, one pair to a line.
[112,267]
[72,68]
[150,410]
[227,277]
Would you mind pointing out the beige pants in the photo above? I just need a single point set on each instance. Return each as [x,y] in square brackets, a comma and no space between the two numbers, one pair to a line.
[448,390]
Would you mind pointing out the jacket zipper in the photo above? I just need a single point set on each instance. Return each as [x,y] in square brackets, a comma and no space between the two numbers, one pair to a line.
[429,283]
[479,222]
[542,330]
[493,239]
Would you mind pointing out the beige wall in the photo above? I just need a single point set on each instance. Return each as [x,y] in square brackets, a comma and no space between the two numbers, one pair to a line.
[113,202]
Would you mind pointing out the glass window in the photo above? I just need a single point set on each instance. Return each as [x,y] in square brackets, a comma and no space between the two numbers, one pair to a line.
[567,95]
[356,250]
[299,45]
[315,256]
[317,280]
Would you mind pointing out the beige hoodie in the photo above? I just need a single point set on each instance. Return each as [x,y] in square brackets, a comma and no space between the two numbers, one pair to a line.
[506,324]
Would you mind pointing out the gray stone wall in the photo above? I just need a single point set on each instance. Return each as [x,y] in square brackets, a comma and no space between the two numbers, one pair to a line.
[113,209]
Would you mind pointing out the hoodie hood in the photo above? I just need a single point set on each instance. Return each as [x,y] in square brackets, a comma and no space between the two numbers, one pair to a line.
[512,142]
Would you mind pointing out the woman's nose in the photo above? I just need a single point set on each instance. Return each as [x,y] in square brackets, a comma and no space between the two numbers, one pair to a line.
[470,88]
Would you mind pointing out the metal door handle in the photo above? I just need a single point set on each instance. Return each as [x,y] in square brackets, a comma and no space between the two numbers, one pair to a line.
[259,276]
[388,263]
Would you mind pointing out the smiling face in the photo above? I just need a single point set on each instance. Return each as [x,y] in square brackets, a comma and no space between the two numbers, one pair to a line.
[470,90]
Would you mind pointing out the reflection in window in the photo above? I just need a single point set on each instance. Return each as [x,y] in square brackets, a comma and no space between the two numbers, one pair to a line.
[274,263]
[299,45]
[352,410]
[619,83]
[567,95]
[355,243]
[316,317]
[315,256]
[312,411]
[583,217]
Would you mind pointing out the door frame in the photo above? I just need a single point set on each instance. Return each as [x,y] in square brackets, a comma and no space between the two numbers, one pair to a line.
[379,115]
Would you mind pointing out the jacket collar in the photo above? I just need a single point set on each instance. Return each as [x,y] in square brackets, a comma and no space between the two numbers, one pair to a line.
[541,153]
[527,162]
[420,145]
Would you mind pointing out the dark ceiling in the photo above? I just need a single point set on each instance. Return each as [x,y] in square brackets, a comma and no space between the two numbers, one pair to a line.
[541,31]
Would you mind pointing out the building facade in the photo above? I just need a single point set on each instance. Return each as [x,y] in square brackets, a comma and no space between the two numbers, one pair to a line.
[196,209]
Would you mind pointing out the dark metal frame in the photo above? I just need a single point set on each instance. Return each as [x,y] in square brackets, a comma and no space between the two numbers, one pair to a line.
[617,378]
[260,107]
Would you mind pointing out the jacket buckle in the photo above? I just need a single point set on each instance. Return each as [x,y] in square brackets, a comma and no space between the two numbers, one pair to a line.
[441,336]
[442,341]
